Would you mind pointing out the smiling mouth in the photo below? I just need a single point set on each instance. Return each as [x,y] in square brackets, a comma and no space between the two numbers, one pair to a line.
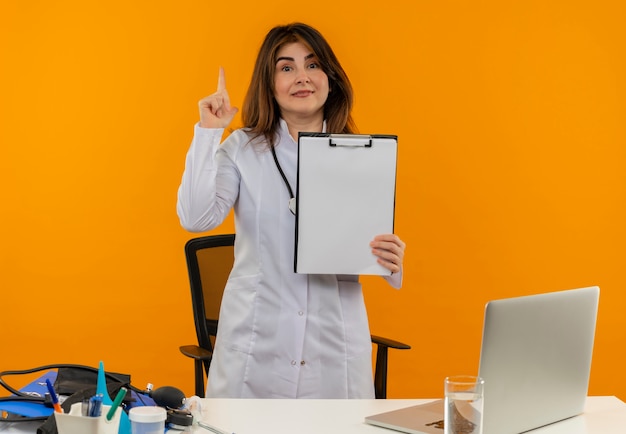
[302,93]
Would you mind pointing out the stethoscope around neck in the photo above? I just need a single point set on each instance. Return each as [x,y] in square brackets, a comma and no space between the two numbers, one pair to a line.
[292,197]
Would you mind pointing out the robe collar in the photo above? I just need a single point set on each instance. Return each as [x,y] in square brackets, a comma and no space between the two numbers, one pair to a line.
[284,131]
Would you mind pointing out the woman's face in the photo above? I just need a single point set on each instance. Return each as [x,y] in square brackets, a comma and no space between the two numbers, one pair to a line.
[300,84]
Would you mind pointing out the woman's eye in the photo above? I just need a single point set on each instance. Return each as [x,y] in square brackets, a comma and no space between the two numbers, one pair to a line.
[314,65]
[286,68]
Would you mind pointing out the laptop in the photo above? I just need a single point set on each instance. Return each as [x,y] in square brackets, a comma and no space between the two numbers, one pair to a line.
[535,359]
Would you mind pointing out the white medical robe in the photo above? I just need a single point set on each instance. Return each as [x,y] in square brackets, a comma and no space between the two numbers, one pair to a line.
[281,334]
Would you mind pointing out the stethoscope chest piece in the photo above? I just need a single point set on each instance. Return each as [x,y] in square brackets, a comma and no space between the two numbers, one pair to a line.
[292,205]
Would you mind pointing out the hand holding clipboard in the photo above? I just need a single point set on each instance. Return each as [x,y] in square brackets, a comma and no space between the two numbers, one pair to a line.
[390,251]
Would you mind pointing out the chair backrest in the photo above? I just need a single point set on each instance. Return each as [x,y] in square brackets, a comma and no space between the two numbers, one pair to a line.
[209,262]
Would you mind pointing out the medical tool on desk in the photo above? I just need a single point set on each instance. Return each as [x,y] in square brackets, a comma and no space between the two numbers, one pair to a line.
[40,403]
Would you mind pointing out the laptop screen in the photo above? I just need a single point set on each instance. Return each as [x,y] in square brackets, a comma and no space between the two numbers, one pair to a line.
[536,358]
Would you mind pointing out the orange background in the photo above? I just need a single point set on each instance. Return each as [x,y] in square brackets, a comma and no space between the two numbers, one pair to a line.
[511,119]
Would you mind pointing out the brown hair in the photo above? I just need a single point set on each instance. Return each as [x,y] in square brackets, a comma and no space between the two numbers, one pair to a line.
[261,114]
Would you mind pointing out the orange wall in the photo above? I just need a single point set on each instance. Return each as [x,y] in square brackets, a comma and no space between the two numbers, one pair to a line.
[512,125]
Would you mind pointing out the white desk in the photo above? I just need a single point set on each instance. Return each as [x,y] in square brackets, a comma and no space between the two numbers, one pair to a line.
[603,415]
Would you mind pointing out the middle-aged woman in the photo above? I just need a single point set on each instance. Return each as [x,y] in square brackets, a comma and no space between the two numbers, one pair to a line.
[281,334]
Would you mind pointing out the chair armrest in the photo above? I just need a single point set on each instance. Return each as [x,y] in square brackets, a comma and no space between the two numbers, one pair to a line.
[196,352]
[390,343]
[201,360]
[380,375]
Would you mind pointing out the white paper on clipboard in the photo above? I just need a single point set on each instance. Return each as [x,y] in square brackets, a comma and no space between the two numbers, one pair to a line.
[345,197]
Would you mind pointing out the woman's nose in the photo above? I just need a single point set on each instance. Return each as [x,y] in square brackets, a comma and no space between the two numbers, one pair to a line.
[302,77]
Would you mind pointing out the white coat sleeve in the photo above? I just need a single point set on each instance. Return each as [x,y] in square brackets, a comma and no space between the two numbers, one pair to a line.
[209,185]
[395,280]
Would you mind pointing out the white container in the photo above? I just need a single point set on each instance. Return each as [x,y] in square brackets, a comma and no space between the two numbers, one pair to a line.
[147,420]
[74,423]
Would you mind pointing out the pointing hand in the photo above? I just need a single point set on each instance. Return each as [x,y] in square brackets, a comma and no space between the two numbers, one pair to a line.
[215,109]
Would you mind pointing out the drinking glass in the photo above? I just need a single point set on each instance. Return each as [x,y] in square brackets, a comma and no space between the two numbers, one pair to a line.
[463,409]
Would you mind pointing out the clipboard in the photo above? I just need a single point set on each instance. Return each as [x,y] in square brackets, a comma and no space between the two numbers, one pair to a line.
[346,187]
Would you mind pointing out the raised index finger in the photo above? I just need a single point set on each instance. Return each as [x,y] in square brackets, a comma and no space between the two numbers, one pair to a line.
[221,81]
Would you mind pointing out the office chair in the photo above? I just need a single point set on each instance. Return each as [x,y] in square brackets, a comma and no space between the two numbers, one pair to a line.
[209,261]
